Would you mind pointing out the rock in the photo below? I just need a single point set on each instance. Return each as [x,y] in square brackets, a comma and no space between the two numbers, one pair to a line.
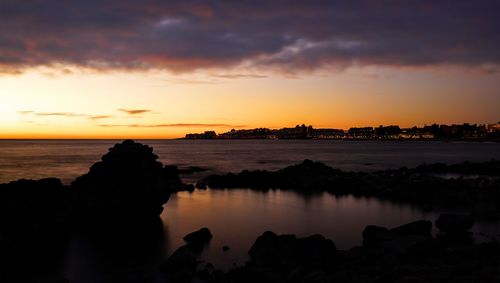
[374,235]
[288,252]
[181,265]
[35,219]
[252,274]
[269,247]
[315,276]
[203,274]
[307,176]
[454,223]
[128,184]
[199,238]
[417,228]
[217,276]
[34,205]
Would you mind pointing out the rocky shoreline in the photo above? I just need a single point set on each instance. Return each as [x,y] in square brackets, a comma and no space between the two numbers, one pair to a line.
[407,253]
[123,194]
[474,187]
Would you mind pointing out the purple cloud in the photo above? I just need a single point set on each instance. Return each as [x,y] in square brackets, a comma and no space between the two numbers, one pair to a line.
[289,35]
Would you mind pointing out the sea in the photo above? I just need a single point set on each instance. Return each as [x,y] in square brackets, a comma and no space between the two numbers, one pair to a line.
[237,217]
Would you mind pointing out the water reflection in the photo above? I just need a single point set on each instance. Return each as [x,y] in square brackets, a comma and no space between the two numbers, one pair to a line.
[238,217]
[115,253]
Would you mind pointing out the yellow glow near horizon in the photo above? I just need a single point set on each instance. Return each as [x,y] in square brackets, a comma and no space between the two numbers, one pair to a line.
[62,105]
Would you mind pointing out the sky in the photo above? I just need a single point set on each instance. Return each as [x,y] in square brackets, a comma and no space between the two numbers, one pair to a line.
[161,69]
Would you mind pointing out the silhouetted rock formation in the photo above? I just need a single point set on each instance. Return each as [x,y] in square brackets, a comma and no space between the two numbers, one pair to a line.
[454,223]
[376,235]
[288,252]
[487,168]
[422,186]
[35,224]
[416,228]
[199,238]
[407,253]
[128,184]
[306,176]
[30,204]
[182,264]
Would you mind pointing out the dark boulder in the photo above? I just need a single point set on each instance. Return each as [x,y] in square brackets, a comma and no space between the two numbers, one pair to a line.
[288,252]
[399,240]
[252,274]
[128,184]
[181,266]
[416,228]
[34,204]
[199,238]
[268,248]
[308,175]
[374,235]
[35,225]
[184,258]
[454,223]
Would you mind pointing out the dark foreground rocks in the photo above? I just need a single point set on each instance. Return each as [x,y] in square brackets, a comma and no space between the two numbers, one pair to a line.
[408,253]
[119,198]
[454,223]
[181,266]
[199,238]
[476,188]
[35,225]
[128,184]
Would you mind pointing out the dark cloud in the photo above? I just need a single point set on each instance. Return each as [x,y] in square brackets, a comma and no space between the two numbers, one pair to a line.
[179,125]
[134,111]
[289,35]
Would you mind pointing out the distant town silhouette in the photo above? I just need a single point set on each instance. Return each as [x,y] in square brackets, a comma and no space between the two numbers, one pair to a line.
[464,131]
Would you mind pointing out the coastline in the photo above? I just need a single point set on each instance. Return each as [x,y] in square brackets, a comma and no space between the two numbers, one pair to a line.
[475,188]
[123,194]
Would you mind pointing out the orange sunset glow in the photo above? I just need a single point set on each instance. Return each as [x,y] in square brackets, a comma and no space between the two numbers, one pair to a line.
[39,104]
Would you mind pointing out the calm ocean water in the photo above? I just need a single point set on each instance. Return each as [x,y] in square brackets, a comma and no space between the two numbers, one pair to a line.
[237,217]
[67,159]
